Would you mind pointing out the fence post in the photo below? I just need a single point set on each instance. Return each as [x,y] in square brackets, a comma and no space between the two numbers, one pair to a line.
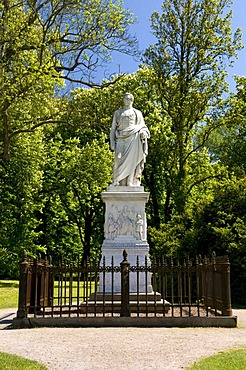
[51,282]
[226,286]
[22,312]
[125,306]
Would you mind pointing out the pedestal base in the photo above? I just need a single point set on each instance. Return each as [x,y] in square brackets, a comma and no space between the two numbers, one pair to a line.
[139,303]
[125,229]
[137,255]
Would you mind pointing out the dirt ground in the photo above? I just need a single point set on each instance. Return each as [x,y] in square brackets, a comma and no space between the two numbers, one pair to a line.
[119,348]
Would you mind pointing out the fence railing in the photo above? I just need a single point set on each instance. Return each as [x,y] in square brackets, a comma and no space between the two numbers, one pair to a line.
[199,287]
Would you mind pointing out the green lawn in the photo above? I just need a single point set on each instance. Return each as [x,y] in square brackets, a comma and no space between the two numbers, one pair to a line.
[9,290]
[11,362]
[85,290]
[231,360]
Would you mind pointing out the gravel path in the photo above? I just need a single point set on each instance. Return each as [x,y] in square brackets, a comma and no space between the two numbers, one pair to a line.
[119,348]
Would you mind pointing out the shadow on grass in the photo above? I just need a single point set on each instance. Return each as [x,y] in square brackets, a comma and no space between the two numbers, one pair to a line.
[9,284]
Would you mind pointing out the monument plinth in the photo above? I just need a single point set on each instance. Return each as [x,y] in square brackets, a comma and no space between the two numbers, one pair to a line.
[125,228]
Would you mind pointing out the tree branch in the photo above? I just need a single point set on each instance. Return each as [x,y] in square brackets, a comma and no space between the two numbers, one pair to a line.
[32,129]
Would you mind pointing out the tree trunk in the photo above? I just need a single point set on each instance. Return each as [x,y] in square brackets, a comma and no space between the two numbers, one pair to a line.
[167,207]
[153,193]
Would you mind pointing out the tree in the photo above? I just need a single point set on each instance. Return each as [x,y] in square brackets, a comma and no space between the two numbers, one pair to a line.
[219,226]
[21,201]
[26,83]
[74,177]
[194,42]
[228,143]
[43,43]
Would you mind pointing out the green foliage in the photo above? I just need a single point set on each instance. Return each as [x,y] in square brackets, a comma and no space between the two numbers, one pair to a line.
[46,42]
[228,142]
[220,227]
[20,201]
[42,44]
[193,37]
[74,177]
[194,40]
[211,224]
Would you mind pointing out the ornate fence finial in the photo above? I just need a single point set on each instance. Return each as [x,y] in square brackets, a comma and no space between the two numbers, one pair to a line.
[125,255]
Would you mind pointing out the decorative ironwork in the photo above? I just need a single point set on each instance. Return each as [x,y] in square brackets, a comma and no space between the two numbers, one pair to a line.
[198,287]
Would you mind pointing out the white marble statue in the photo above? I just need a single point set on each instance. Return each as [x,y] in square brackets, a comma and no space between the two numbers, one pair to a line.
[139,227]
[128,139]
[112,227]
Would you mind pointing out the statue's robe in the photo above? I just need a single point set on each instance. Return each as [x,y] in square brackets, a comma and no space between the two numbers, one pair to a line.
[130,149]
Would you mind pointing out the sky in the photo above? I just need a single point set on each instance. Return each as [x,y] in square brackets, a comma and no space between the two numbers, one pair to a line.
[143,9]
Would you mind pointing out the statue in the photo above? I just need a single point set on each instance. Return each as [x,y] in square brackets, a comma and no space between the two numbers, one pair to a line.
[128,139]
[112,227]
[139,227]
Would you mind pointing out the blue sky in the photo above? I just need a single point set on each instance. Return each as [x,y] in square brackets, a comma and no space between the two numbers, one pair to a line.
[143,10]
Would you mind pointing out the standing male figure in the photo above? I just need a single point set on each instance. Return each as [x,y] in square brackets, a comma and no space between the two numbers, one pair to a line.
[128,139]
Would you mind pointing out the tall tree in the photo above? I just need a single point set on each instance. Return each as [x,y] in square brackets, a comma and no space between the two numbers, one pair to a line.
[74,177]
[21,200]
[44,42]
[43,45]
[220,226]
[194,45]
[228,143]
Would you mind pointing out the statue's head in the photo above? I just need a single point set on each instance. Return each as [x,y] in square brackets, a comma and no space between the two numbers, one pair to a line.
[129,96]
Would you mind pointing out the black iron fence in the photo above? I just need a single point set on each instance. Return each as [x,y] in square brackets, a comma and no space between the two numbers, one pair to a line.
[166,288]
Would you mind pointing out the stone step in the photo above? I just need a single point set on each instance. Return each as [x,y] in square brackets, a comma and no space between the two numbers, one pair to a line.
[132,297]
[115,306]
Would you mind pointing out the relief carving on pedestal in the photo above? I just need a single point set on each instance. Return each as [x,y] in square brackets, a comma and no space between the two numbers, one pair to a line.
[126,223]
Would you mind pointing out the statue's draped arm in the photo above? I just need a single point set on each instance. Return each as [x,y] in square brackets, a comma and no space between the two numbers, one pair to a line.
[112,132]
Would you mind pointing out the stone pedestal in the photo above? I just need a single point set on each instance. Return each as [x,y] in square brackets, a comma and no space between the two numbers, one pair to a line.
[125,228]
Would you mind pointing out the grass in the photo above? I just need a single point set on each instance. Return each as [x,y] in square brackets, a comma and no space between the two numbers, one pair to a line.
[11,362]
[85,290]
[231,360]
[9,290]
